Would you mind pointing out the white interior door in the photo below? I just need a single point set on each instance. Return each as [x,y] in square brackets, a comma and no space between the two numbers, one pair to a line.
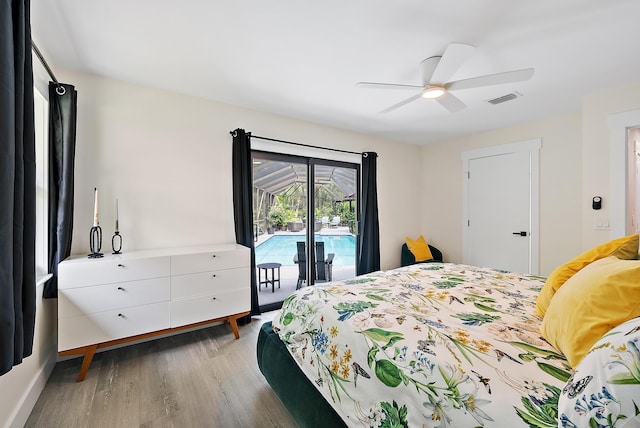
[501,208]
[618,207]
[633,202]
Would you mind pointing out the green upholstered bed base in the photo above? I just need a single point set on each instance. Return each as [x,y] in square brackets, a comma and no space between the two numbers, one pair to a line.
[305,403]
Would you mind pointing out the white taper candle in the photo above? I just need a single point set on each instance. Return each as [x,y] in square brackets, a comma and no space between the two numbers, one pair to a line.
[95,208]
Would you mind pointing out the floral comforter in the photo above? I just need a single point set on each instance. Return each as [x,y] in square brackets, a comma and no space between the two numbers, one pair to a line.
[604,391]
[427,345]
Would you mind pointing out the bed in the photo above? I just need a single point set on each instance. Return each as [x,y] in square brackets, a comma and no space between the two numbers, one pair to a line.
[445,345]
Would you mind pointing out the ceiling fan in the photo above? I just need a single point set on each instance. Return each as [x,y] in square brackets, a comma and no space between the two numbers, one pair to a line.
[436,72]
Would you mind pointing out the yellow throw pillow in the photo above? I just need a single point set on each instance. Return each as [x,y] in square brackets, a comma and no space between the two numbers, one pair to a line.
[599,297]
[623,248]
[419,248]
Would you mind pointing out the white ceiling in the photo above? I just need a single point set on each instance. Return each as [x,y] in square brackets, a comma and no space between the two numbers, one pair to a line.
[301,59]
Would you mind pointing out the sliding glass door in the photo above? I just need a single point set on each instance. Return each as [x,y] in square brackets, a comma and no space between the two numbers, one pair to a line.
[336,215]
[305,223]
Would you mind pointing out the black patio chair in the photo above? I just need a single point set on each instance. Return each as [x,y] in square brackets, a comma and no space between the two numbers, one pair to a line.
[324,267]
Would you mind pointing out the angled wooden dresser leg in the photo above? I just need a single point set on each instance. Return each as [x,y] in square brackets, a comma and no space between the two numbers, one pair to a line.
[86,361]
[233,322]
[234,326]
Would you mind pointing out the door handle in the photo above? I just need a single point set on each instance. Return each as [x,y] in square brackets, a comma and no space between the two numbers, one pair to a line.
[522,233]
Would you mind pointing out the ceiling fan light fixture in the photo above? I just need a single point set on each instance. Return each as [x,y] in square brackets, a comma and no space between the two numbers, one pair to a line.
[433,92]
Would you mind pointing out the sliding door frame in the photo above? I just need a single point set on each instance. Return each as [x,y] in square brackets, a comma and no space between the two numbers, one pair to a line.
[311,163]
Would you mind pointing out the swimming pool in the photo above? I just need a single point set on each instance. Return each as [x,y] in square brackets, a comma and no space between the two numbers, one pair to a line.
[282,248]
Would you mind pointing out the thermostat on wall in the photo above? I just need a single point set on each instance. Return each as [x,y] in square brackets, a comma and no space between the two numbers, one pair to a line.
[596,203]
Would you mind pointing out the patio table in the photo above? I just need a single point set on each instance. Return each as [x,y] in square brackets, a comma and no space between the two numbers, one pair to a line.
[274,278]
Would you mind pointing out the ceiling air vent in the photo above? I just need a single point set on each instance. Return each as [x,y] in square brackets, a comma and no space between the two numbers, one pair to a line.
[503,99]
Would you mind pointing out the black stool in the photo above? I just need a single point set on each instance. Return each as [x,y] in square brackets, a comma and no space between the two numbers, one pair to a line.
[274,278]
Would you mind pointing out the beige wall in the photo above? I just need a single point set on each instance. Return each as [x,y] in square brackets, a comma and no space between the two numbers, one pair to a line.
[167,158]
[574,168]
[560,187]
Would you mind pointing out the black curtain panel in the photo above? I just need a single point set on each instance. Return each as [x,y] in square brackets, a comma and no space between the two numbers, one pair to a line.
[62,148]
[243,205]
[369,238]
[17,186]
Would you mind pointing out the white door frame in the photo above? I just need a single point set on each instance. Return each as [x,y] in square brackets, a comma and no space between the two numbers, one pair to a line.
[619,125]
[533,148]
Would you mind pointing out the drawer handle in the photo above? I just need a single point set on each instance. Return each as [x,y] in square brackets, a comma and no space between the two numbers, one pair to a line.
[213,276]
[214,298]
[120,265]
[121,315]
[213,256]
[120,288]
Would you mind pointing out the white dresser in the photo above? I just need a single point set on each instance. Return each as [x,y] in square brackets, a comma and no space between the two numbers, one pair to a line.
[130,296]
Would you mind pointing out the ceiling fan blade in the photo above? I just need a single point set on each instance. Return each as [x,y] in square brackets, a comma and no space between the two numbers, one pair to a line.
[376,85]
[401,103]
[454,56]
[451,102]
[427,67]
[491,79]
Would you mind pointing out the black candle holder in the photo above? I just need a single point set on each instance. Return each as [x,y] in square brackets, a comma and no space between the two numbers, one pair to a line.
[116,239]
[95,242]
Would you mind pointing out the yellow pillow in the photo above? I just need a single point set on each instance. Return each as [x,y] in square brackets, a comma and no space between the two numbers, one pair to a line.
[601,296]
[623,248]
[419,248]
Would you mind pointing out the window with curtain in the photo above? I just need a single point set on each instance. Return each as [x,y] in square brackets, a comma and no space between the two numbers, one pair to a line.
[41,115]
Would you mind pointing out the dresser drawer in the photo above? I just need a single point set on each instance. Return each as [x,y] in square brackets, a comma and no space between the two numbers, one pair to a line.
[199,284]
[189,311]
[81,273]
[99,298]
[210,261]
[74,332]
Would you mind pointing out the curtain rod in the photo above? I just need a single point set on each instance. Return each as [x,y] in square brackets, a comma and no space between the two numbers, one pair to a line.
[303,145]
[60,90]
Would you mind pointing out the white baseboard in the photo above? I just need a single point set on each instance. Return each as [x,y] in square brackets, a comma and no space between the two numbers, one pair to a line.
[21,413]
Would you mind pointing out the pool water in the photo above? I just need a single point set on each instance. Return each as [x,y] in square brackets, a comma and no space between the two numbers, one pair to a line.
[282,248]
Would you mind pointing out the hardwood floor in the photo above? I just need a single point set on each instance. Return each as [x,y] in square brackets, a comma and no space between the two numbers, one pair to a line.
[203,378]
